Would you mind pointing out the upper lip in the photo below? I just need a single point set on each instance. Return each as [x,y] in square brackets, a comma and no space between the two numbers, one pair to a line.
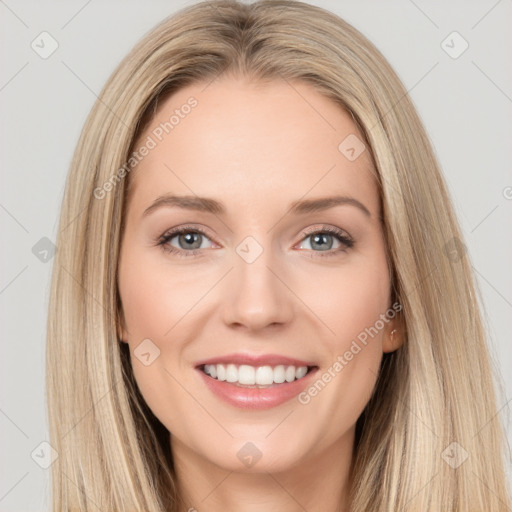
[255,360]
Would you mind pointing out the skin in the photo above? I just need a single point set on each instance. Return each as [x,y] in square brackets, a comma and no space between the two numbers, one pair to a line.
[256,148]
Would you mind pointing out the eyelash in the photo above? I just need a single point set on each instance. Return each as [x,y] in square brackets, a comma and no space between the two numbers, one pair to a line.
[169,235]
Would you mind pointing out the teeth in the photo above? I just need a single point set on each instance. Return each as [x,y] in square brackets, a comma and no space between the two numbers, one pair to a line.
[250,375]
[301,371]
[246,374]
[290,373]
[231,373]
[279,376]
[265,375]
[219,369]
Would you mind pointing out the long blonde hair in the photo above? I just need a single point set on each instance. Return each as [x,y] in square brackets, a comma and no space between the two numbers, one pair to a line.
[437,389]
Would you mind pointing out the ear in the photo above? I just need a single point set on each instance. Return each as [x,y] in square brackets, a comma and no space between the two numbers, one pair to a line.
[394,334]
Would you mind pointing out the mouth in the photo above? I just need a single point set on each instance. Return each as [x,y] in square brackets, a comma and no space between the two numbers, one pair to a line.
[260,377]
[256,381]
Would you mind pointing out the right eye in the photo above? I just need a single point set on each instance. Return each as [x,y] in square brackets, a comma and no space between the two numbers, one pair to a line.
[189,241]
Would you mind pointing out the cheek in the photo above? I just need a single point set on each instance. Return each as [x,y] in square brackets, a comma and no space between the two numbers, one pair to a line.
[350,299]
[154,296]
[353,304]
[152,305]
[156,299]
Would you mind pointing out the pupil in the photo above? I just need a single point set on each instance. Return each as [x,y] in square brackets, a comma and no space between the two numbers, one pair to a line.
[190,239]
[320,240]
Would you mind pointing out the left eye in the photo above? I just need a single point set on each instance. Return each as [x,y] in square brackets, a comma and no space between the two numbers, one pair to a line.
[323,240]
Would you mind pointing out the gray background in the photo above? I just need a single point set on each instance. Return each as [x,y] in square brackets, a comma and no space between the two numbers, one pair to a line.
[465,103]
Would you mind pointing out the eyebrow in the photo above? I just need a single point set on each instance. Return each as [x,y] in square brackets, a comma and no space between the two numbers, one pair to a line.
[208,205]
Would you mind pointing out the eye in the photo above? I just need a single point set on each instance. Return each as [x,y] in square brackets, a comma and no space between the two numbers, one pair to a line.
[189,241]
[322,239]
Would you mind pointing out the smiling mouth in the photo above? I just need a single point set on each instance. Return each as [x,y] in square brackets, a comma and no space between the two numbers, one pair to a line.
[255,376]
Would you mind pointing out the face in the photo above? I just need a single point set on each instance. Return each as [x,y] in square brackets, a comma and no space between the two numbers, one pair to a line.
[259,283]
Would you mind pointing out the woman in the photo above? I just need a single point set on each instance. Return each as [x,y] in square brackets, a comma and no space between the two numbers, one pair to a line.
[260,298]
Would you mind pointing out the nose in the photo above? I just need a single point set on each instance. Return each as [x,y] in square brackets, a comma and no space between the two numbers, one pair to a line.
[257,295]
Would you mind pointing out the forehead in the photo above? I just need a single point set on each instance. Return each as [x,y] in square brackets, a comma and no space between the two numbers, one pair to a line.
[250,143]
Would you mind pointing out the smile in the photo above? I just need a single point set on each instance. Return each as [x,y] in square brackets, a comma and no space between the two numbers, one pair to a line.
[255,382]
[255,376]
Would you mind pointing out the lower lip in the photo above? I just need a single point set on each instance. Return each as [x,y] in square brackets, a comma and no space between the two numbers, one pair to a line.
[257,398]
